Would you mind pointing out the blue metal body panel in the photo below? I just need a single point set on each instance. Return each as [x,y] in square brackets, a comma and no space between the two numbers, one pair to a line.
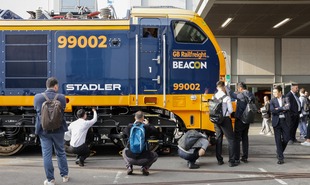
[87,69]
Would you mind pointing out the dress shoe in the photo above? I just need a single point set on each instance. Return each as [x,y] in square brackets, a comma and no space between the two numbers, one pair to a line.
[220,162]
[81,163]
[237,161]
[280,162]
[129,170]
[245,160]
[290,142]
[193,166]
[232,164]
[145,171]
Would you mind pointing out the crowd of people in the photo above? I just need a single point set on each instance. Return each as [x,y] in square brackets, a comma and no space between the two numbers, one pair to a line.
[284,113]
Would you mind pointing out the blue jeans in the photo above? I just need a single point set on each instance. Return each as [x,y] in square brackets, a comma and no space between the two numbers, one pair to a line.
[47,143]
[303,126]
[189,157]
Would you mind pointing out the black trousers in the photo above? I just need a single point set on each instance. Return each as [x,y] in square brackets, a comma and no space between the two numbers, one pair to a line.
[293,126]
[308,131]
[241,134]
[82,152]
[281,136]
[224,129]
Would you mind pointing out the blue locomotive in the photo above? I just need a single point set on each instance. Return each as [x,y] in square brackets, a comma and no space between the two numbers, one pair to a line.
[164,61]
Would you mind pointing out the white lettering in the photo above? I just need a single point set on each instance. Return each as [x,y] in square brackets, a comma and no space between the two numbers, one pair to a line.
[108,87]
[117,86]
[93,87]
[189,65]
[84,87]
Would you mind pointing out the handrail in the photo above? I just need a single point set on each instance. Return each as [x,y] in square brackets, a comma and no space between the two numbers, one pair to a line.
[164,71]
[137,68]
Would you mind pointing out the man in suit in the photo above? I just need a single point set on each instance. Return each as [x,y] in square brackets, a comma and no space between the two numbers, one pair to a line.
[279,108]
[295,110]
[241,129]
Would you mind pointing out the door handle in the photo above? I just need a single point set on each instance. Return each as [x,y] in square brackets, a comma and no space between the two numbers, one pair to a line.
[157,79]
[157,59]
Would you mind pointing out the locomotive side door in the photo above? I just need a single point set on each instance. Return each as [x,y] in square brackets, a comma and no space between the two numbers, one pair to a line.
[150,63]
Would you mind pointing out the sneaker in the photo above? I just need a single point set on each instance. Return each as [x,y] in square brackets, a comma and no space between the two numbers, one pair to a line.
[306,143]
[261,133]
[269,134]
[65,178]
[52,182]
[129,170]
[145,171]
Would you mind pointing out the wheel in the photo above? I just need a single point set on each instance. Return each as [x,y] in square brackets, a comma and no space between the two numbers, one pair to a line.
[10,149]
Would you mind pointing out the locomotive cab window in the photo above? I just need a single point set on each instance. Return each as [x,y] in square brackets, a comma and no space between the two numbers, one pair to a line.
[187,32]
[150,32]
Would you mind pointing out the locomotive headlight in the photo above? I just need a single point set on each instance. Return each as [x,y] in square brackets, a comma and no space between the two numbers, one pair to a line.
[193,97]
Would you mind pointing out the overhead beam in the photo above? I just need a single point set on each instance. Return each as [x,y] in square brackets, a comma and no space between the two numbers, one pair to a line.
[260,2]
[297,29]
[204,7]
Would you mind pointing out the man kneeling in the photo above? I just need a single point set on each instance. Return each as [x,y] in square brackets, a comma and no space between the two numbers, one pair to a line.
[137,153]
[78,131]
[192,145]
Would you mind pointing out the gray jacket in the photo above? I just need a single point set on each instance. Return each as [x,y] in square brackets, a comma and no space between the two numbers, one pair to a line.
[192,140]
[241,101]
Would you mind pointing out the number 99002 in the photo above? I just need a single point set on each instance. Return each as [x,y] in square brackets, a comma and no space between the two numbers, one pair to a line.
[82,41]
[186,86]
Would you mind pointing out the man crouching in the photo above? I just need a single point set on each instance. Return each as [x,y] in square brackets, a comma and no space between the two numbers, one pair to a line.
[136,152]
[192,145]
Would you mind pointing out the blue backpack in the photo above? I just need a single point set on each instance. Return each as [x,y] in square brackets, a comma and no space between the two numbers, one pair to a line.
[137,138]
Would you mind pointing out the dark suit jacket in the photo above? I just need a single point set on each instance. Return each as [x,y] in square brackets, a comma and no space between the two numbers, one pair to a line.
[281,110]
[293,103]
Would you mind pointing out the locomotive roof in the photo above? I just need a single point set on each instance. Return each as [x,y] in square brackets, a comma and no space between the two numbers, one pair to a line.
[160,12]
[135,12]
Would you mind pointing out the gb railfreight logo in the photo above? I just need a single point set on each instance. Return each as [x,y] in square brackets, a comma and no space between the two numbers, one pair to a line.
[189,59]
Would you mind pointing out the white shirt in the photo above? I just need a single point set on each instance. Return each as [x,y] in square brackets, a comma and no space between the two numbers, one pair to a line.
[280,101]
[226,106]
[78,130]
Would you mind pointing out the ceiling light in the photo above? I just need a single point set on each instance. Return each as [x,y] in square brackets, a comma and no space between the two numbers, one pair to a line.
[282,22]
[227,22]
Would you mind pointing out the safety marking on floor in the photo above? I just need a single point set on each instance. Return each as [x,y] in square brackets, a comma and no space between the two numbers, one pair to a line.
[118,175]
[278,180]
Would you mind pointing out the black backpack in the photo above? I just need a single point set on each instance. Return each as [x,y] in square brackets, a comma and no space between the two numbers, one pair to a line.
[216,110]
[306,106]
[248,114]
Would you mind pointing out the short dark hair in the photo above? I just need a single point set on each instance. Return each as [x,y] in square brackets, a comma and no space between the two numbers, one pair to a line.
[303,90]
[242,85]
[139,115]
[220,84]
[294,84]
[278,87]
[80,113]
[51,82]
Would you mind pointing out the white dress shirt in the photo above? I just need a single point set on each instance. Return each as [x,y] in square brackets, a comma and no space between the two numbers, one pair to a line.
[78,130]
[226,106]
